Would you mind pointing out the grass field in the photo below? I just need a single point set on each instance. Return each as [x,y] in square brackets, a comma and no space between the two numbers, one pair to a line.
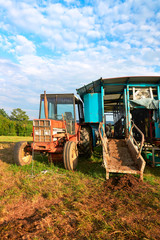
[45,201]
[14,139]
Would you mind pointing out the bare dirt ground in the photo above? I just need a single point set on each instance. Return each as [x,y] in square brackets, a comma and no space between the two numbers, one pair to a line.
[74,206]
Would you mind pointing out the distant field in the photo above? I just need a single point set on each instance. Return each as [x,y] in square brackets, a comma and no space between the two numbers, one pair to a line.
[14,138]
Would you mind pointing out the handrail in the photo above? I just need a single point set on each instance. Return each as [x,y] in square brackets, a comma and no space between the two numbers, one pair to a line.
[142,140]
[101,127]
[100,133]
[103,139]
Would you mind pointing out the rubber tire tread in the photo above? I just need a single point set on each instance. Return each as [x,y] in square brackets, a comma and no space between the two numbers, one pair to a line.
[85,147]
[17,154]
[65,155]
[68,156]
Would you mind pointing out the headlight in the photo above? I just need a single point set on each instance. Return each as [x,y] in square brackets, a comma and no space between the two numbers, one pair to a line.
[47,132]
[54,131]
[58,130]
[37,132]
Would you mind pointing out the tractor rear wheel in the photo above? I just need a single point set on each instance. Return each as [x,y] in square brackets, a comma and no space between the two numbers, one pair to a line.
[70,155]
[85,146]
[21,154]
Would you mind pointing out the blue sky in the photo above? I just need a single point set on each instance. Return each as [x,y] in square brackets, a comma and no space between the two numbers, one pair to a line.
[59,46]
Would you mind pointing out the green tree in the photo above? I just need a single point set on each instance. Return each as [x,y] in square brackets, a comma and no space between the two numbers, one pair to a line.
[3,113]
[29,128]
[21,119]
[7,127]
[19,115]
[12,128]
[16,124]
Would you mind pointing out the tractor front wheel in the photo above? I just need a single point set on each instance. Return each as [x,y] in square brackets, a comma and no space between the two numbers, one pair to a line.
[22,155]
[70,155]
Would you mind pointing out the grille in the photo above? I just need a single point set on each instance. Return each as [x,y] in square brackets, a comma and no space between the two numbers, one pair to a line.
[42,131]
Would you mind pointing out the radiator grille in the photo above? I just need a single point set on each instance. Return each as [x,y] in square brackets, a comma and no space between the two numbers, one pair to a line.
[42,131]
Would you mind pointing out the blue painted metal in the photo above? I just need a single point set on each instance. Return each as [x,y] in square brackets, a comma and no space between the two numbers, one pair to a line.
[158,95]
[157,130]
[93,112]
[140,107]
[94,137]
[131,85]
[142,85]
[128,110]
[156,124]
[102,98]
[94,129]
[42,116]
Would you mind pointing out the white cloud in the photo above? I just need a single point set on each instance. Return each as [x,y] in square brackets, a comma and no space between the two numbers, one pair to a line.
[69,1]
[4,43]
[23,45]
[94,34]
[76,21]
[59,47]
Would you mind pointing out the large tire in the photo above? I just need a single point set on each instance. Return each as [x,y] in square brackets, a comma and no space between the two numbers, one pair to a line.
[86,140]
[21,155]
[70,155]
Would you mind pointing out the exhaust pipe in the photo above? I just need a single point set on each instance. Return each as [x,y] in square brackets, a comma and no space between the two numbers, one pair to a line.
[45,105]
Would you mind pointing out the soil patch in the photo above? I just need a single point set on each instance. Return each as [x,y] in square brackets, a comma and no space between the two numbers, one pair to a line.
[126,182]
[80,218]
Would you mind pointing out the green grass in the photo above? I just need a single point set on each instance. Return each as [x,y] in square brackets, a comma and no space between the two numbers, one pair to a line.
[77,205]
[91,167]
[15,138]
[152,175]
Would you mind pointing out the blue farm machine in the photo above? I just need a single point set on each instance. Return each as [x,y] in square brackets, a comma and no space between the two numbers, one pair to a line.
[69,126]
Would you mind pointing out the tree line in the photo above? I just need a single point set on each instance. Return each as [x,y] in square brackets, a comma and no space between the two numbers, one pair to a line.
[17,124]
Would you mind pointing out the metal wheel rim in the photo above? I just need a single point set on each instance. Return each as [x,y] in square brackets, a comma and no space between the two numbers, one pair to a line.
[26,158]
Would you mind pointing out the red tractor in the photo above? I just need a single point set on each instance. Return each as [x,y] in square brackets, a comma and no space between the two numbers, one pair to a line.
[58,132]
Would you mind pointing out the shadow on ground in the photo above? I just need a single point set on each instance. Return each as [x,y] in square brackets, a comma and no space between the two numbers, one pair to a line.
[6,152]
[153,171]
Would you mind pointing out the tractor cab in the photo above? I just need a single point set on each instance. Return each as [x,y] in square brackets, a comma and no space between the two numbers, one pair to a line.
[62,107]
